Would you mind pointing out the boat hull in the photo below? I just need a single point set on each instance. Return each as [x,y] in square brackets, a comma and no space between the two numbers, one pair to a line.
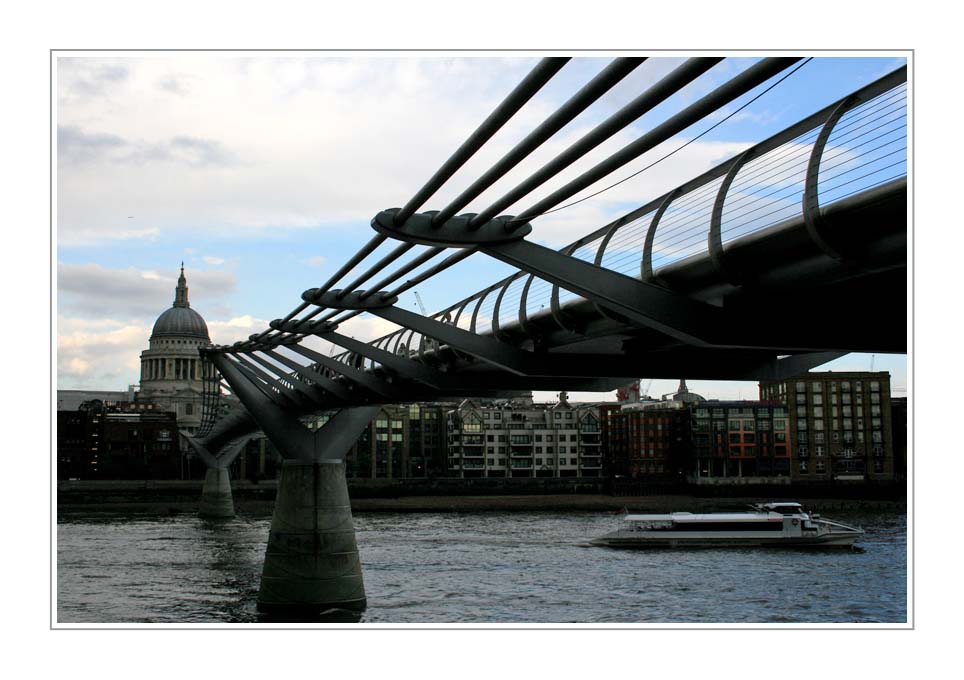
[636,542]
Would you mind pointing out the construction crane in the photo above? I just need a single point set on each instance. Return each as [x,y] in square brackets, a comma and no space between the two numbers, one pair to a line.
[645,392]
[432,343]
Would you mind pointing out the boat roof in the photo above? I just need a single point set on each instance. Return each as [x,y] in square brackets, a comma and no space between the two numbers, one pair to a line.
[712,517]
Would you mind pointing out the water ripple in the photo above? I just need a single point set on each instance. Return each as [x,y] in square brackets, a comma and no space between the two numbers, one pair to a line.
[468,568]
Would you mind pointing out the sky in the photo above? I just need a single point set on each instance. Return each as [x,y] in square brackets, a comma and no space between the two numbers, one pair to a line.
[261,172]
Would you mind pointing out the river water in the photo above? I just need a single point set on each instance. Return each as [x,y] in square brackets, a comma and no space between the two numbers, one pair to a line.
[518,567]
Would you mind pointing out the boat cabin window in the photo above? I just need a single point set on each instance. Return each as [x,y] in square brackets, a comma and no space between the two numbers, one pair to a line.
[786,509]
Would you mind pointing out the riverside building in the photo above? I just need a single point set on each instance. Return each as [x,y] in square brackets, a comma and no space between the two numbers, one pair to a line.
[686,437]
[401,441]
[121,441]
[649,439]
[840,425]
[741,442]
[516,438]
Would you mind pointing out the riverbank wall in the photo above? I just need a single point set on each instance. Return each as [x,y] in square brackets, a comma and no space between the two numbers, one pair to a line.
[480,495]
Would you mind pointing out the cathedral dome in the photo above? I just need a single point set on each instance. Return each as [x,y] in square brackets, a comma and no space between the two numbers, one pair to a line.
[180,320]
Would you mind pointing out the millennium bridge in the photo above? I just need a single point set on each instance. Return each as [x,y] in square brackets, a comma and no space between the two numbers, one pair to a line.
[786,256]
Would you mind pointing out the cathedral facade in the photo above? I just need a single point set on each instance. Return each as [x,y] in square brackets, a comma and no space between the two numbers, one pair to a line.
[172,373]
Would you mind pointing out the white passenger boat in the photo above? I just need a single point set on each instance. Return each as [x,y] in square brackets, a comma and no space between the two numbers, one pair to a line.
[768,525]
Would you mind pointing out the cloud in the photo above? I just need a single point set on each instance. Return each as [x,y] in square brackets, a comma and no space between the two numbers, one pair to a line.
[235,329]
[87,289]
[77,146]
[192,151]
[208,259]
[180,84]
[89,77]
[99,354]
[316,261]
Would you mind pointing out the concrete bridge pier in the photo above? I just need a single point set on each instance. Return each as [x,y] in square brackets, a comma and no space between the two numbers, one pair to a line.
[217,500]
[311,563]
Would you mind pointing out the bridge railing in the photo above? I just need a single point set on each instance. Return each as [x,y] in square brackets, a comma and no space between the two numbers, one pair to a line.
[864,146]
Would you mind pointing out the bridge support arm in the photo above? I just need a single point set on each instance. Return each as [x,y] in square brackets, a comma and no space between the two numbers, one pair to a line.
[787,367]
[489,350]
[405,367]
[674,314]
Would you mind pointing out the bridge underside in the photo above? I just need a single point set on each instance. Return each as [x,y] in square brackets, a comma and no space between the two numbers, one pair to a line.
[793,308]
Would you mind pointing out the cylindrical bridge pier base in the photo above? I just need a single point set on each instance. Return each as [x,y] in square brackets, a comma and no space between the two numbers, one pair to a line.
[311,563]
[216,499]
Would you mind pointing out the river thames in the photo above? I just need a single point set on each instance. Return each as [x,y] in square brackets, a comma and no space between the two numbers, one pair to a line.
[490,567]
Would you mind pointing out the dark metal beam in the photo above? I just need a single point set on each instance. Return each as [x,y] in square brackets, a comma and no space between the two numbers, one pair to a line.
[516,99]
[741,84]
[652,306]
[337,391]
[274,383]
[275,397]
[360,377]
[306,391]
[405,367]
[675,81]
[593,90]
[487,349]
